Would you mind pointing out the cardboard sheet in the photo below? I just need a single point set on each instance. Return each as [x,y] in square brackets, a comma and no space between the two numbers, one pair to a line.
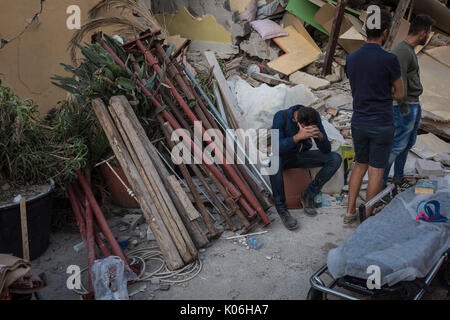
[325,17]
[299,52]
[291,20]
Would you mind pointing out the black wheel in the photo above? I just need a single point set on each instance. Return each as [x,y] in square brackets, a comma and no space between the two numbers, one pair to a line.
[314,294]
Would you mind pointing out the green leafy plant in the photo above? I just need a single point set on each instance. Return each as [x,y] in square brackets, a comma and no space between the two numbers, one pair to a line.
[24,147]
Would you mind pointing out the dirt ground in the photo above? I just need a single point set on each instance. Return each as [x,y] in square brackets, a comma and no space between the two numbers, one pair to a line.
[280,270]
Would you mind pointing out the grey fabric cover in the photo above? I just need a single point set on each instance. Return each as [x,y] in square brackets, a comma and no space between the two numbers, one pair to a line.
[402,247]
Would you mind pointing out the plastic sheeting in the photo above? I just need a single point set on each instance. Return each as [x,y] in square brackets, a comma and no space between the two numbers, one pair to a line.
[260,104]
[402,247]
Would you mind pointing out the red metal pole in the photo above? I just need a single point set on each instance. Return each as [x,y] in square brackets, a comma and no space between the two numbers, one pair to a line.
[154,64]
[76,210]
[101,219]
[234,192]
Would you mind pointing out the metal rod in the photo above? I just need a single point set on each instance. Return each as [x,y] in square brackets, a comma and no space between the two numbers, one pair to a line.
[225,126]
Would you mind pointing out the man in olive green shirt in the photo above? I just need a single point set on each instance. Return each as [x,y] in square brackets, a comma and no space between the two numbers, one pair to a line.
[407,112]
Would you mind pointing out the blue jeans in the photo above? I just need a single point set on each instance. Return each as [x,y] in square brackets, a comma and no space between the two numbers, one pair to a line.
[406,127]
[330,163]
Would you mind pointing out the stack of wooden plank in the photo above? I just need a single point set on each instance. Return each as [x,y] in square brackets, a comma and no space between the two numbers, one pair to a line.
[169,213]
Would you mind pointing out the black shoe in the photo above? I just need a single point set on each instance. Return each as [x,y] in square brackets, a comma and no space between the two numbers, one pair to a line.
[307,203]
[403,184]
[289,222]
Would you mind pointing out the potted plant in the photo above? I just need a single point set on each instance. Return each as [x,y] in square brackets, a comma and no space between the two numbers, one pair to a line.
[23,154]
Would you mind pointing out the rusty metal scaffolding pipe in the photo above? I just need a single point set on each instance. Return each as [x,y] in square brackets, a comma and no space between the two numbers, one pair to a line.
[151,60]
[234,192]
[104,227]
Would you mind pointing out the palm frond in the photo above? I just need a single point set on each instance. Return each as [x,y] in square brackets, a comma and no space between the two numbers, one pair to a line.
[98,23]
[134,6]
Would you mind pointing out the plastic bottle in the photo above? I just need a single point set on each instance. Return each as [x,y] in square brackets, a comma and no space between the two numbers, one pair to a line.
[254,243]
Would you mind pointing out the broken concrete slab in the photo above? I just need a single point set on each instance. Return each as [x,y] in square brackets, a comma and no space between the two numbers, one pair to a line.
[314,83]
[222,50]
[255,46]
[428,145]
[429,168]
[443,158]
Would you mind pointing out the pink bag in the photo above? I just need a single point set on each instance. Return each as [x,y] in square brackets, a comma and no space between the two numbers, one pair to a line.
[268,29]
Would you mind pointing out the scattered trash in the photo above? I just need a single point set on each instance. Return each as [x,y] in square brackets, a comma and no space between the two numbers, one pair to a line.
[254,243]
[109,277]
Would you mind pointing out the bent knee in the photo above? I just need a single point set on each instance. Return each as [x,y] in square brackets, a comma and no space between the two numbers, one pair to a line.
[335,159]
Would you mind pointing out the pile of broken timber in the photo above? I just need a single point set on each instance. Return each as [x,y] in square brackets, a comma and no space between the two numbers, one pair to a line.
[171,217]
[164,204]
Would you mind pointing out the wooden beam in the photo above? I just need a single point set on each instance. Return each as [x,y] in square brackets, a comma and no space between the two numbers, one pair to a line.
[167,246]
[24,224]
[334,35]
[137,143]
[399,14]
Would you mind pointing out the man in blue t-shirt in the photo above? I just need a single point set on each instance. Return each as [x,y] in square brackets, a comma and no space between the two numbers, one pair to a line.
[375,79]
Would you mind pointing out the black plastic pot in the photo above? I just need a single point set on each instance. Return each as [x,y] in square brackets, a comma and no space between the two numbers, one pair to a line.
[39,213]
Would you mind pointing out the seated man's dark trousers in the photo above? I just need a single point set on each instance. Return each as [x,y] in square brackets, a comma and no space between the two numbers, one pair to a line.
[329,163]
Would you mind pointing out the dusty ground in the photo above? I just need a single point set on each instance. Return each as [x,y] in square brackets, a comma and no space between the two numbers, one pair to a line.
[279,270]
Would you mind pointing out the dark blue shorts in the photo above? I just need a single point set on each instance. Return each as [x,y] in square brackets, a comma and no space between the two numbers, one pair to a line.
[373,144]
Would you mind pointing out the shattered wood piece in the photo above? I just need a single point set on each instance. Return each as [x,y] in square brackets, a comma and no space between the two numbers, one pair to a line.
[254,83]
[228,97]
[181,194]
[271,80]
[334,35]
[314,83]
[234,64]
[177,40]
[168,248]
[429,168]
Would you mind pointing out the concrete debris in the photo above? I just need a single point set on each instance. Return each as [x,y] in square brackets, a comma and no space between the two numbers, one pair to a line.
[308,80]
[270,80]
[222,50]
[429,168]
[255,46]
